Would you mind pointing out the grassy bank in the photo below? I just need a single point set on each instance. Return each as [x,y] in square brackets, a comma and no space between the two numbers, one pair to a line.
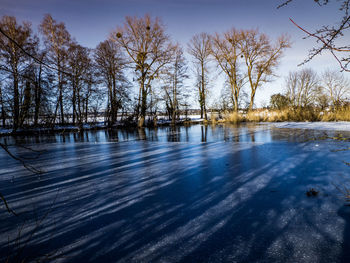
[298,114]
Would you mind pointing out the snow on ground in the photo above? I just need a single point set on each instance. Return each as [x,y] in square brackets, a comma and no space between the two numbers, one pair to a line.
[322,126]
[5,131]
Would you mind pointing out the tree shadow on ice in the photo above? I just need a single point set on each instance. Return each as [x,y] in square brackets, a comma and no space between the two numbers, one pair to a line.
[206,202]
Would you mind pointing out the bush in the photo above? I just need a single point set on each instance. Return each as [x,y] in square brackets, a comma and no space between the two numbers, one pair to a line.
[338,114]
[279,101]
[233,117]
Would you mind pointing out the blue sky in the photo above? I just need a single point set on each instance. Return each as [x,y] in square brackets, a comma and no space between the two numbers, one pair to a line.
[91,21]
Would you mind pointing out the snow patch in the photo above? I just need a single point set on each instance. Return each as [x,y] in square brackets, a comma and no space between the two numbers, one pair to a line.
[322,126]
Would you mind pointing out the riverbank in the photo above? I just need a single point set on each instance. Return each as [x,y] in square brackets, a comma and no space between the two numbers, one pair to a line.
[297,119]
[93,126]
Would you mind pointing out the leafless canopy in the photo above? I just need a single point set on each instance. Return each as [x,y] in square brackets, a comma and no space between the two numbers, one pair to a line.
[227,53]
[199,48]
[328,36]
[149,50]
[336,87]
[302,87]
[57,40]
[261,57]
[174,88]
[14,62]
[110,65]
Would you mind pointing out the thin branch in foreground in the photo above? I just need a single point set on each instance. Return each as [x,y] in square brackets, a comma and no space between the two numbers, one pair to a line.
[284,4]
[325,46]
[30,168]
[22,244]
[7,206]
[25,165]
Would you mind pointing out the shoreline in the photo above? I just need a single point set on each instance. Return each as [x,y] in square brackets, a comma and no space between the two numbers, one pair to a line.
[307,125]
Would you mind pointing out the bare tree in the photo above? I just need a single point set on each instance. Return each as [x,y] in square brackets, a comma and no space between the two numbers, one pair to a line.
[57,40]
[328,37]
[336,87]
[110,64]
[41,80]
[175,74]
[149,49]
[199,48]
[261,58]
[79,62]
[14,61]
[227,53]
[301,87]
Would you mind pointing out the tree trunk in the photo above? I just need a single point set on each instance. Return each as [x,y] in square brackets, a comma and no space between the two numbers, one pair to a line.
[15,103]
[204,107]
[141,121]
[60,98]
[173,117]
[114,102]
[86,110]
[251,104]
[203,94]
[139,101]
[3,114]
[37,101]
[74,110]
[26,103]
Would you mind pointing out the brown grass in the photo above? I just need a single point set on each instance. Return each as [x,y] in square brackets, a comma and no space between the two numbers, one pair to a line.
[341,114]
[296,114]
[233,117]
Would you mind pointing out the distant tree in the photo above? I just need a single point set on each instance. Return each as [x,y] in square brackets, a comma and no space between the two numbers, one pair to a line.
[26,99]
[14,62]
[329,37]
[41,81]
[175,74]
[79,62]
[336,87]
[226,101]
[2,105]
[227,53]
[279,101]
[301,87]
[57,41]
[149,49]
[321,99]
[110,65]
[261,58]
[199,48]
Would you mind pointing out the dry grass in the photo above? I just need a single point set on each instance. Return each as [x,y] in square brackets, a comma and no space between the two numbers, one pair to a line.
[297,114]
[233,117]
[341,114]
[256,116]
[304,114]
[278,115]
[214,118]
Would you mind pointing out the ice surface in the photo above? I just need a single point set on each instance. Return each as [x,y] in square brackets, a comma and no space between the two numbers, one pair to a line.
[323,126]
[240,197]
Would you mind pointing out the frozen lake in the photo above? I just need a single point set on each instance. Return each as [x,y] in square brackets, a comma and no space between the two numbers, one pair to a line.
[190,194]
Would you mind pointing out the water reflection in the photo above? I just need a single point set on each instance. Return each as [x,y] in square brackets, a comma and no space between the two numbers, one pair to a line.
[194,133]
[204,130]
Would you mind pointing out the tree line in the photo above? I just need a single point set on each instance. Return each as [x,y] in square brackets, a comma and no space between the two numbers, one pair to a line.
[49,78]
[307,89]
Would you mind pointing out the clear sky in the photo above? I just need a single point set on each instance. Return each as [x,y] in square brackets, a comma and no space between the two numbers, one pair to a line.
[91,21]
